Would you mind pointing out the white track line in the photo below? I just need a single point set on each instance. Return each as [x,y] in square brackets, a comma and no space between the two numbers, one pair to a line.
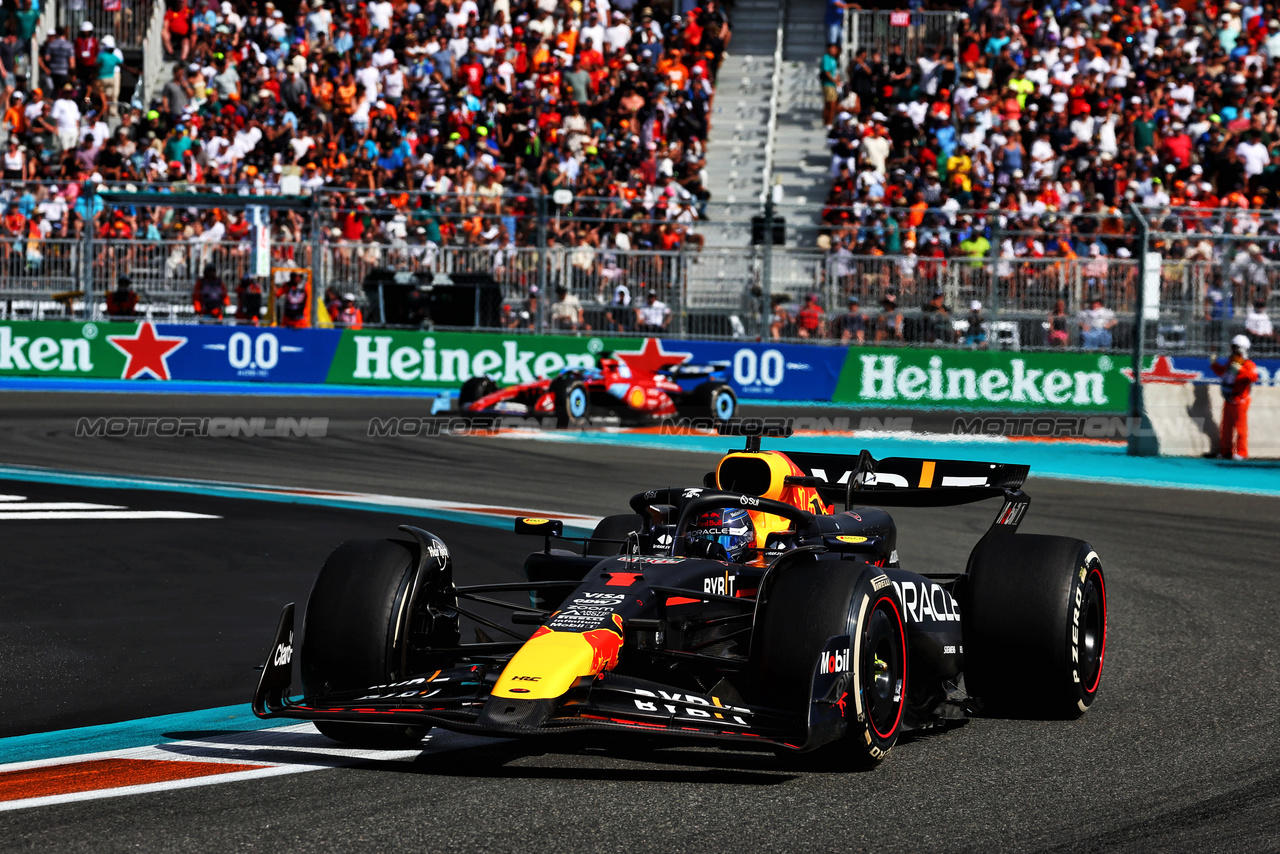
[103,514]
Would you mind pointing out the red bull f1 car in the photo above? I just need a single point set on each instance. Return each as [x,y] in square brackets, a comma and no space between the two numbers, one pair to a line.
[614,389]
[765,606]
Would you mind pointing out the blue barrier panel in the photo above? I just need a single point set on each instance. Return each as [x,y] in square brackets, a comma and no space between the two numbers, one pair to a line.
[253,354]
[771,371]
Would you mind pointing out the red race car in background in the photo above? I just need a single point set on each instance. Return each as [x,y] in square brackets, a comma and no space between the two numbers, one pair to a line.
[617,388]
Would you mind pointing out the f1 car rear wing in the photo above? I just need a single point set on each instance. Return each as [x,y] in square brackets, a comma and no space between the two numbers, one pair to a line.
[907,482]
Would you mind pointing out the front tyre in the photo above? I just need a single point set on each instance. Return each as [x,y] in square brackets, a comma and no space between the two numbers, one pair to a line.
[803,605]
[348,633]
[572,404]
[713,400]
[1035,625]
[474,389]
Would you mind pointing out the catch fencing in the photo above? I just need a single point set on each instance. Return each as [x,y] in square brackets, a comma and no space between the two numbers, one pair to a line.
[127,20]
[723,280]
[916,32]
[715,292]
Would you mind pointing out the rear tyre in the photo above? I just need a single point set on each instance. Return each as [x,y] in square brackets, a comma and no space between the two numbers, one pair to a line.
[610,529]
[348,633]
[713,400]
[474,389]
[572,404]
[1035,625]
[802,606]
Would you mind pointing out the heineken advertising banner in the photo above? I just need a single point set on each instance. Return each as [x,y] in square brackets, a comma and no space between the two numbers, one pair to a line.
[447,359]
[982,379]
[860,376]
[148,351]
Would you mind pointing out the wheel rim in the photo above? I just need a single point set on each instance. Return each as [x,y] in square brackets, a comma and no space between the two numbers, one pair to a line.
[723,406]
[1093,641]
[577,403]
[883,668]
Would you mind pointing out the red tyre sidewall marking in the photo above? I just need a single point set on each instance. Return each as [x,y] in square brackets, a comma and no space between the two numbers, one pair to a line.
[1102,653]
[902,636]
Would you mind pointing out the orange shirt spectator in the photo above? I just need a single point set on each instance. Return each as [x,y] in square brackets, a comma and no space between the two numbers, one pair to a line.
[14,222]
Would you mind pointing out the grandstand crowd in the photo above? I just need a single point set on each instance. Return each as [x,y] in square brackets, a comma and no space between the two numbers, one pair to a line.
[1061,113]
[1058,115]
[484,105]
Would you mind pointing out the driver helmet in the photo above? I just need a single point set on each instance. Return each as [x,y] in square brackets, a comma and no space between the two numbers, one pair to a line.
[730,527]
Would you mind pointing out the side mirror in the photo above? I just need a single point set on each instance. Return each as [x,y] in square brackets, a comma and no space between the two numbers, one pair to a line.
[539,527]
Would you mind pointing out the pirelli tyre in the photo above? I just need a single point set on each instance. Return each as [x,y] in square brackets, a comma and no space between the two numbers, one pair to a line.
[474,389]
[348,631]
[1035,625]
[802,605]
[712,400]
[572,403]
[611,529]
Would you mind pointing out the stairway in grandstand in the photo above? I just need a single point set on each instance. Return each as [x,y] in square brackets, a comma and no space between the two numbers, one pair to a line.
[740,121]
[801,159]
[739,135]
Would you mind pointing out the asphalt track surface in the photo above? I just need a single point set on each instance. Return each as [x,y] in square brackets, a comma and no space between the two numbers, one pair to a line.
[102,621]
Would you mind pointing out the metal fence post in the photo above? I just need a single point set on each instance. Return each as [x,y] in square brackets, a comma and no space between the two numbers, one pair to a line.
[542,263]
[91,223]
[677,284]
[317,295]
[993,251]
[1228,289]
[1139,319]
[766,265]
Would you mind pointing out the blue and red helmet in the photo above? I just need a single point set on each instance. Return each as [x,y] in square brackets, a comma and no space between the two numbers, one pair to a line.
[730,527]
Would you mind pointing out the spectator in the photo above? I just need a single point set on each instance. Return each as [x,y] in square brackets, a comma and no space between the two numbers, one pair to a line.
[780,320]
[65,114]
[350,315]
[1259,328]
[833,21]
[653,316]
[975,334]
[176,34]
[122,303]
[176,94]
[1096,325]
[620,314]
[829,76]
[936,321]
[210,296]
[249,300]
[566,311]
[86,55]
[851,327]
[109,62]
[58,58]
[889,323]
[809,319]
[1059,333]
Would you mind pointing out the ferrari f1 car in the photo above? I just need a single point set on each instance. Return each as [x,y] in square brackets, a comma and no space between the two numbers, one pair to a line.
[746,609]
[613,390]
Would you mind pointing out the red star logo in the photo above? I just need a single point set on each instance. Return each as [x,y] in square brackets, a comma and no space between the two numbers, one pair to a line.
[147,352]
[1163,371]
[651,357]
